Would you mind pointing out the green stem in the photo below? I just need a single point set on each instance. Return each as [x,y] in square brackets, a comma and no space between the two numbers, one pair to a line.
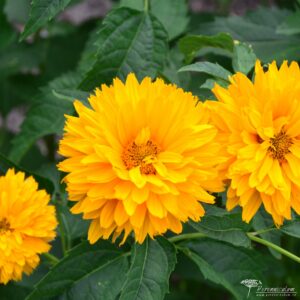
[63,236]
[275,247]
[196,235]
[263,231]
[185,236]
[146,5]
[51,258]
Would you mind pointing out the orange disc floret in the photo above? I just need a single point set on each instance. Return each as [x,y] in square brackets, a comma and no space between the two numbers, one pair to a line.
[261,122]
[141,159]
[27,225]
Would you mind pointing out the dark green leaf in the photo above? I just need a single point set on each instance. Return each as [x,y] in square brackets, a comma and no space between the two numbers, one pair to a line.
[88,56]
[71,95]
[49,170]
[208,68]
[204,94]
[151,266]
[130,41]
[225,264]
[87,272]
[229,228]
[46,116]
[13,292]
[263,221]
[43,182]
[191,44]
[210,83]
[74,226]
[213,210]
[292,228]
[171,13]
[42,11]
[258,28]
[243,58]
[170,72]
[291,25]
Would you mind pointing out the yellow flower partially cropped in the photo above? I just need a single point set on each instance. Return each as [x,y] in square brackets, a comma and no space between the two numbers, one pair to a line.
[261,122]
[140,160]
[27,224]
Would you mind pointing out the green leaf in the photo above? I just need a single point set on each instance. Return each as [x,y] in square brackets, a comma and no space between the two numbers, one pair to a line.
[12,291]
[46,116]
[291,25]
[175,60]
[130,41]
[88,55]
[225,264]
[171,13]
[74,226]
[292,228]
[229,228]
[43,182]
[49,170]
[151,266]
[191,44]
[213,210]
[263,221]
[243,58]
[258,29]
[71,95]
[41,12]
[87,272]
[210,83]
[209,68]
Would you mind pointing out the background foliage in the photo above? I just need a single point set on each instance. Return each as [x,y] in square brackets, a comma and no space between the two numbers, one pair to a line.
[48,58]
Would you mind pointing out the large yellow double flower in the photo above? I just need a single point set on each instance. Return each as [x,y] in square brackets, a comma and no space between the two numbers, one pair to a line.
[141,159]
[261,122]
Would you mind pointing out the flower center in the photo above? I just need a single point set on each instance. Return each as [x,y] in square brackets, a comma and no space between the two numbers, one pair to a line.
[141,155]
[280,144]
[4,225]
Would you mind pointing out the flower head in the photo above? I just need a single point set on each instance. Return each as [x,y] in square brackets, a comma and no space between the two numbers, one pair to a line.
[261,122]
[140,159]
[27,224]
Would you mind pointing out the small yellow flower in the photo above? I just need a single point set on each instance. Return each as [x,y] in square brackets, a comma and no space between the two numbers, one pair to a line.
[261,122]
[141,159]
[27,224]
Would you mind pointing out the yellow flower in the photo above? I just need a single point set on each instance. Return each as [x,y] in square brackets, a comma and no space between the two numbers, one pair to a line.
[261,122]
[27,224]
[140,159]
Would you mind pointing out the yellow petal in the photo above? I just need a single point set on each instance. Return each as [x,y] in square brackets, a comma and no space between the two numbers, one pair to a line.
[155,207]
[136,177]
[143,137]
[120,215]
[250,209]
[94,232]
